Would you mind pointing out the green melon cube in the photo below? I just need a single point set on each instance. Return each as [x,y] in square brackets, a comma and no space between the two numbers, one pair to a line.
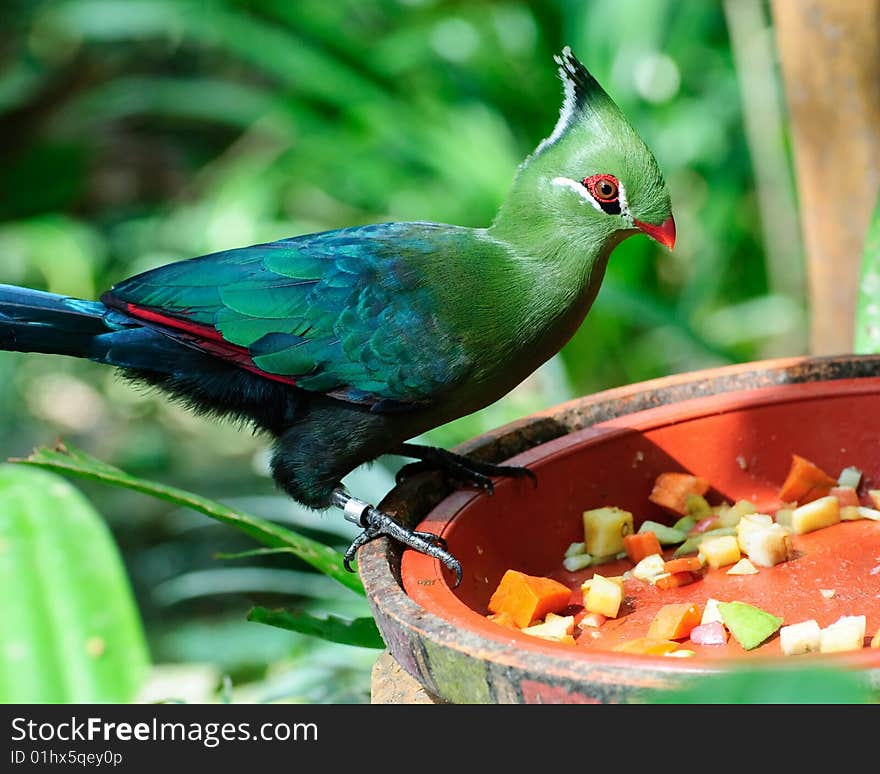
[749,625]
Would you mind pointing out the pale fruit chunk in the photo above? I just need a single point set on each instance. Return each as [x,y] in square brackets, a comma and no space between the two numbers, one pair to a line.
[874,494]
[817,514]
[604,530]
[748,524]
[730,517]
[555,627]
[604,596]
[710,612]
[767,546]
[575,549]
[743,567]
[849,477]
[577,562]
[798,638]
[719,551]
[854,513]
[846,633]
[649,568]
[783,516]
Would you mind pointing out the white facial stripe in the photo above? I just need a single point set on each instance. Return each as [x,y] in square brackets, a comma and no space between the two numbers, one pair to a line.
[581,190]
[565,112]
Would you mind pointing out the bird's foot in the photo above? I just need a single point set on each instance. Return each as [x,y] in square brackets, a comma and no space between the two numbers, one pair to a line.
[457,468]
[375,524]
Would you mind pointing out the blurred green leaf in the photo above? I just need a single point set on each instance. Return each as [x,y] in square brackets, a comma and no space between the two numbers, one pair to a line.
[867,322]
[70,630]
[70,460]
[362,632]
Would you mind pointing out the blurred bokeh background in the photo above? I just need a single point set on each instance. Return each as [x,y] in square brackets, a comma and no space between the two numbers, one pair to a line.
[137,132]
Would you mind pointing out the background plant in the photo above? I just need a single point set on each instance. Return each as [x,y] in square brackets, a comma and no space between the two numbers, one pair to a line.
[135,132]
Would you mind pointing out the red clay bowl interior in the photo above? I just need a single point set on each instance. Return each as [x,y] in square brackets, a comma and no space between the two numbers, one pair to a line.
[742,443]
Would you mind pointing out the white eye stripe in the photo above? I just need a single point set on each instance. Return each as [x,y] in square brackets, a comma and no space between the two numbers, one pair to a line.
[581,190]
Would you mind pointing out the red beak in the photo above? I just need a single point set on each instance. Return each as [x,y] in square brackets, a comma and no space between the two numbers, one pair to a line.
[664,233]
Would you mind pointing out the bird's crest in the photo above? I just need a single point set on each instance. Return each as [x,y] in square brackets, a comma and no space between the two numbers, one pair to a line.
[580,90]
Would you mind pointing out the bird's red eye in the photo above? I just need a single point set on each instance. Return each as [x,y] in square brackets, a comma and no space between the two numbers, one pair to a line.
[604,188]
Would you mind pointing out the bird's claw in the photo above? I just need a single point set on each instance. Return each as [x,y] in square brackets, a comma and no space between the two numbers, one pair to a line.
[377,524]
[459,469]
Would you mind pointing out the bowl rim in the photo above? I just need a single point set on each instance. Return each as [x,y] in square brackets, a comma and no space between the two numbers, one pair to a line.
[413,633]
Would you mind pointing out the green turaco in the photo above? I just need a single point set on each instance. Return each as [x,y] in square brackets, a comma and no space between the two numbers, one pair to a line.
[345,345]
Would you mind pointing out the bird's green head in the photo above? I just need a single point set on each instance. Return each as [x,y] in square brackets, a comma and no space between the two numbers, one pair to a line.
[593,174]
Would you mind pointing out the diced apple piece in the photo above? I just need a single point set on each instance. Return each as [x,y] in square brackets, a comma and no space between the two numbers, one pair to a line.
[874,494]
[749,523]
[783,516]
[859,512]
[575,549]
[849,477]
[592,621]
[720,551]
[649,568]
[768,546]
[604,530]
[798,638]
[555,627]
[604,596]
[743,567]
[710,612]
[846,633]
[816,514]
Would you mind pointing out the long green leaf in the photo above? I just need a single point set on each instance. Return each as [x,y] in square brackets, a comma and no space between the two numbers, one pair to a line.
[360,631]
[866,339]
[73,461]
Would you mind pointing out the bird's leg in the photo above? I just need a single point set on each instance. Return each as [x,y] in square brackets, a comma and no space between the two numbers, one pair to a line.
[457,467]
[375,523]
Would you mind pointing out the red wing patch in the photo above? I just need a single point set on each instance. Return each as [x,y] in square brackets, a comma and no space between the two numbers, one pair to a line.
[202,337]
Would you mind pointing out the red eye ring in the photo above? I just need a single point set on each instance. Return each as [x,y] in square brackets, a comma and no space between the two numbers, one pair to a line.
[603,188]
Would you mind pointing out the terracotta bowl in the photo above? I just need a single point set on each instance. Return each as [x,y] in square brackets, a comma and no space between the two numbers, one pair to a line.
[735,426]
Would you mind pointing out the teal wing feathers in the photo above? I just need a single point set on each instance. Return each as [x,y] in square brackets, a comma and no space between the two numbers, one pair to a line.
[349,313]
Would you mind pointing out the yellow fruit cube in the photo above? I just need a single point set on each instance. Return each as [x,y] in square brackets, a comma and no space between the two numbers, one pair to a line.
[768,545]
[719,551]
[814,515]
[554,627]
[604,530]
[604,596]
[846,633]
[803,637]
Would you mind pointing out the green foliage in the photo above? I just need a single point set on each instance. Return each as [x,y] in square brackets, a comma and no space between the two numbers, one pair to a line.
[867,323]
[71,632]
[816,685]
[362,632]
[73,461]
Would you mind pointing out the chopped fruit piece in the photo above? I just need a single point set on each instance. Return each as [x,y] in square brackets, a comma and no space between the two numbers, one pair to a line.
[640,545]
[743,567]
[671,490]
[528,598]
[732,516]
[604,530]
[648,646]
[860,512]
[604,596]
[783,517]
[683,564]
[749,523]
[577,562]
[711,633]
[675,621]
[696,507]
[822,512]
[850,478]
[719,551]
[874,494]
[703,525]
[846,496]
[800,638]
[805,482]
[710,612]
[875,640]
[767,546]
[650,567]
[681,653]
[846,633]
[591,621]
[554,627]
[749,625]
[575,549]
[671,580]
[666,535]
[502,619]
